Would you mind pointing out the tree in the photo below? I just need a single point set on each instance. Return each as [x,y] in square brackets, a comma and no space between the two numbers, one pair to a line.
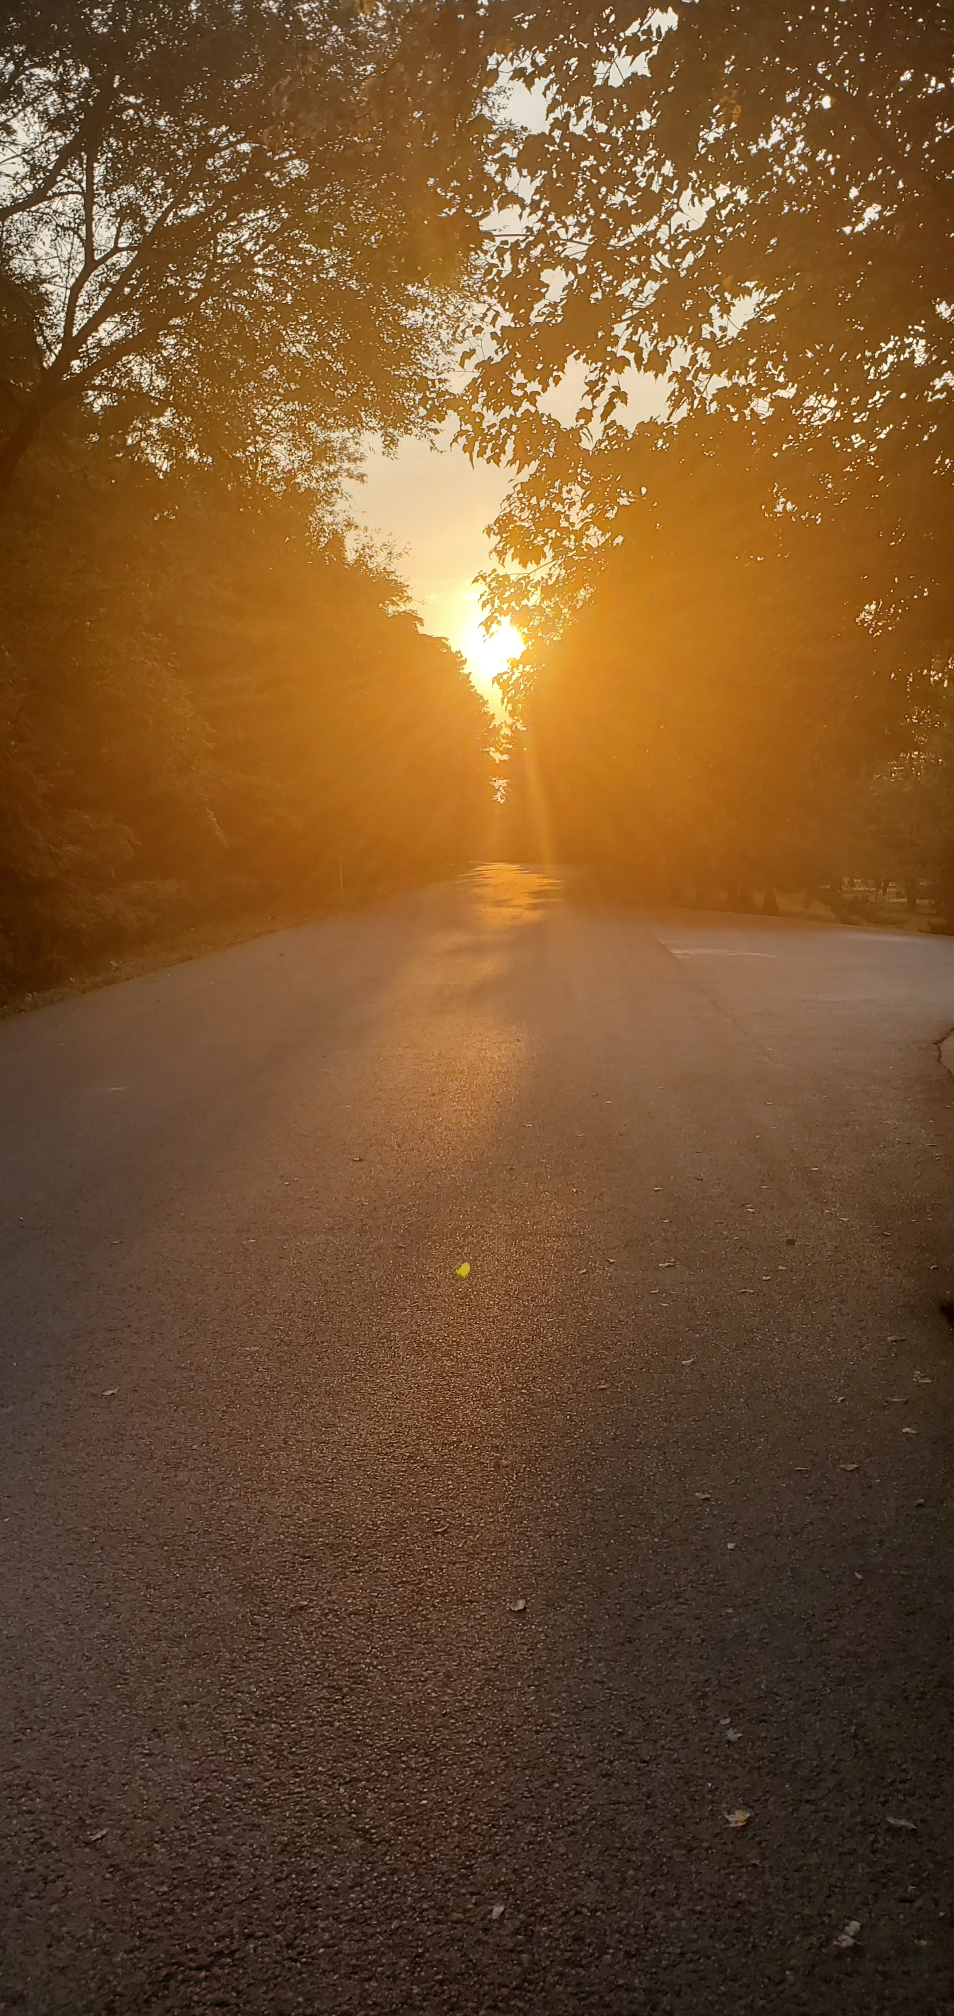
[208,708]
[234,225]
[710,719]
[745,208]
[750,200]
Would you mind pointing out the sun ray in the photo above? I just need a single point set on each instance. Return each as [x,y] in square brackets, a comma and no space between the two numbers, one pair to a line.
[487,656]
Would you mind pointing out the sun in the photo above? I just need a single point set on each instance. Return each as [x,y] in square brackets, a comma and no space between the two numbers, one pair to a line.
[488,656]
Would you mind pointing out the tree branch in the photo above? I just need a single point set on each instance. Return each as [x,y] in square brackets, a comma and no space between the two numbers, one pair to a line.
[67,153]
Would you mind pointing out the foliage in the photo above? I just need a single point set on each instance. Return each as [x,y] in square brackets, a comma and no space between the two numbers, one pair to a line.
[712,713]
[741,608]
[208,708]
[234,224]
[750,202]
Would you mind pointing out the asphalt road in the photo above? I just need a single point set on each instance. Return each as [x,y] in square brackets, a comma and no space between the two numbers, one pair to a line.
[383,1639]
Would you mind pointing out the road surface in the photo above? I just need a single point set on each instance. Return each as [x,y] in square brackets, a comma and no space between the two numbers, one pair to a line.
[384,1638]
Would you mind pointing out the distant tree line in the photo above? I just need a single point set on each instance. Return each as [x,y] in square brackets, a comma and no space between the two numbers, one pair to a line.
[234,240]
[741,611]
[207,709]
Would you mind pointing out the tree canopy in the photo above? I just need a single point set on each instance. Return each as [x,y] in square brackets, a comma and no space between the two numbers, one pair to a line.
[210,709]
[733,236]
[235,238]
[752,204]
[242,228]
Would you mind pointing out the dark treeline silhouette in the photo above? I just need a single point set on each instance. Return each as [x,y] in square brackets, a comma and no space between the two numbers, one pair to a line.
[717,721]
[236,240]
[207,710]
[741,609]
[232,243]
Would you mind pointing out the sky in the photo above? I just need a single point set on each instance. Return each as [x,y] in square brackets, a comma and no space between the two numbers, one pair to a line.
[433,507]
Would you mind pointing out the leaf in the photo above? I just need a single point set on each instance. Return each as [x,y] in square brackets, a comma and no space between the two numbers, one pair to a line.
[740,1818]
[463,1270]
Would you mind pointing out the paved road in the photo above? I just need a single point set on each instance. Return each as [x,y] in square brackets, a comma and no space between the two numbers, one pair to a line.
[281,1735]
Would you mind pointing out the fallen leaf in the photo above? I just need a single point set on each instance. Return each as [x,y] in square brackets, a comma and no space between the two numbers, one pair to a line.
[909,1826]
[740,1818]
[849,1935]
[520,1604]
[463,1270]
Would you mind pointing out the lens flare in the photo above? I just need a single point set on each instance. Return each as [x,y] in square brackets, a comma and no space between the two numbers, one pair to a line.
[487,656]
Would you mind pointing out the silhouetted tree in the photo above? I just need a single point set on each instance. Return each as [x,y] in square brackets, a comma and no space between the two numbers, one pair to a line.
[750,201]
[244,226]
[751,204]
[711,718]
[208,709]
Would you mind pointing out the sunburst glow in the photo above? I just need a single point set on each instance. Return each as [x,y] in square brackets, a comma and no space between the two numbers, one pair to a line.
[489,656]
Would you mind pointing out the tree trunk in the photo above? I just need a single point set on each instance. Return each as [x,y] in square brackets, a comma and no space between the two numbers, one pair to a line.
[17,442]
